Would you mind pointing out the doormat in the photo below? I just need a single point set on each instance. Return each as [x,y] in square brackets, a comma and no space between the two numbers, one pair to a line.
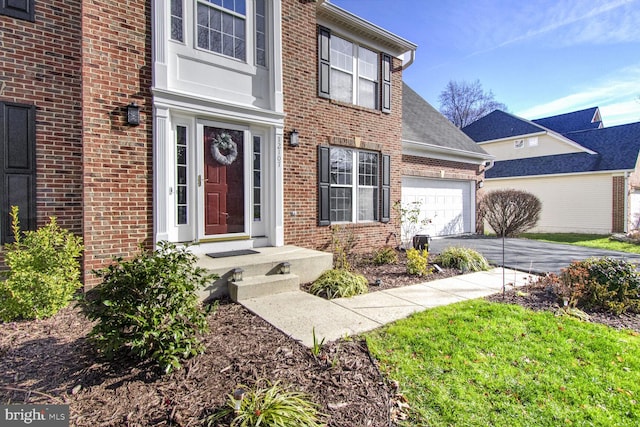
[232,253]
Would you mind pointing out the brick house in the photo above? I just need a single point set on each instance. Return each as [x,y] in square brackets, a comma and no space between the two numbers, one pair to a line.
[248,119]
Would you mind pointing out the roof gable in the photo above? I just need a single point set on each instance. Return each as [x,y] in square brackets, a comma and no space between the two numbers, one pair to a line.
[573,121]
[500,125]
[617,148]
[421,123]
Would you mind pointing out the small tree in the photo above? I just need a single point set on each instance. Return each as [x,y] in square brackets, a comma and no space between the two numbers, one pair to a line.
[463,103]
[409,222]
[510,212]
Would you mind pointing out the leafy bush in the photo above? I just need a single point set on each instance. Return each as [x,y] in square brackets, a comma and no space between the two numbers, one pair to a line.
[385,255]
[149,306]
[273,405]
[337,283]
[510,212]
[44,271]
[418,262]
[464,259]
[605,284]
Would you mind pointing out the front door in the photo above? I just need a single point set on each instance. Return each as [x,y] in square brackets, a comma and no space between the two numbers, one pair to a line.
[224,203]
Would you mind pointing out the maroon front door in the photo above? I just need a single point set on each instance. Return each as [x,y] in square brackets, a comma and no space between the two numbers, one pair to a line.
[223,181]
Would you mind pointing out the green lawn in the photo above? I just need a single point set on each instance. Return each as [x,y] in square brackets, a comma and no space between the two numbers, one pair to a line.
[477,363]
[590,240]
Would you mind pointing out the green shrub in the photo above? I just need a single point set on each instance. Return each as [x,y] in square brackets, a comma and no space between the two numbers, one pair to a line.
[149,306]
[464,259]
[338,283]
[385,255]
[273,405]
[418,262]
[44,271]
[601,284]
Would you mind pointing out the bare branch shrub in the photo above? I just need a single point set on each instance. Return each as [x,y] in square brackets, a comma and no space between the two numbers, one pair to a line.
[510,212]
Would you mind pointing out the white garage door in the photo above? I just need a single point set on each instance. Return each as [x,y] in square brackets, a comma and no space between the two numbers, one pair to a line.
[449,205]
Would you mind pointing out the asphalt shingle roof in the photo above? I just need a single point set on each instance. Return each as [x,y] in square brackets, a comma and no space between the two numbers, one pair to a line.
[571,122]
[423,123]
[498,125]
[617,148]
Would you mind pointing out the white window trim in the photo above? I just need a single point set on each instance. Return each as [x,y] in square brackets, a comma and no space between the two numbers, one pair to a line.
[355,187]
[355,71]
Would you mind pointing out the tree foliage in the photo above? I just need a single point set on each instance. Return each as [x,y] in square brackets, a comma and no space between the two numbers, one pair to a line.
[463,103]
[510,212]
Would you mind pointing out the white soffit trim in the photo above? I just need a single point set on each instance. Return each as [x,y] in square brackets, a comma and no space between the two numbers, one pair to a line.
[328,13]
[421,149]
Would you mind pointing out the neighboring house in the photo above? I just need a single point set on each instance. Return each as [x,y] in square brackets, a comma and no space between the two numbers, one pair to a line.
[442,168]
[229,124]
[585,174]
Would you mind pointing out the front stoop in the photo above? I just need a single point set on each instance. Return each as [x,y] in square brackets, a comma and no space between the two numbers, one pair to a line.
[260,286]
[261,271]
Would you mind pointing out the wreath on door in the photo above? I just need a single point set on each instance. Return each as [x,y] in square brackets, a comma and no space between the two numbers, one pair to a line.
[224,143]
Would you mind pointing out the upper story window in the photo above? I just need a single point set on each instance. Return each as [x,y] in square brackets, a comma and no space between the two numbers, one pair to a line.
[177,21]
[221,27]
[352,73]
[21,9]
[261,33]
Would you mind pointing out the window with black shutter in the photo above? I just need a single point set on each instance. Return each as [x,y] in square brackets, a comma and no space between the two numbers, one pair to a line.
[21,9]
[353,186]
[352,73]
[18,167]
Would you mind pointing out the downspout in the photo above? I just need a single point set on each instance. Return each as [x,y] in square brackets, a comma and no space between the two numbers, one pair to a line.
[492,163]
[412,58]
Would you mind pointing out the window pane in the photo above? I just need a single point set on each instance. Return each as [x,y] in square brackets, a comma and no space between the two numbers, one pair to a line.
[222,32]
[341,86]
[341,204]
[341,54]
[341,166]
[367,92]
[367,169]
[367,64]
[176,20]
[367,204]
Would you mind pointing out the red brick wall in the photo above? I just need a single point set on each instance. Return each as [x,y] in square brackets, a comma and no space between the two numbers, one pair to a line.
[321,121]
[618,217]
[40,65]
[117,157]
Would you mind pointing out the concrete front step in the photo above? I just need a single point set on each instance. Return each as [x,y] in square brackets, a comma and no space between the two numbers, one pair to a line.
[260,286]
[306,264]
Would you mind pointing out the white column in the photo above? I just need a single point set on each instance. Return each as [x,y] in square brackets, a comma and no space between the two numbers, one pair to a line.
[277,238]
[160,185]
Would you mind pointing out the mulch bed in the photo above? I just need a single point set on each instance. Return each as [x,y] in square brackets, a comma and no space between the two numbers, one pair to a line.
[50,361]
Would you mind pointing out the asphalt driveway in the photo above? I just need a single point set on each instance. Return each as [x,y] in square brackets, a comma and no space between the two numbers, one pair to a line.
[530,256]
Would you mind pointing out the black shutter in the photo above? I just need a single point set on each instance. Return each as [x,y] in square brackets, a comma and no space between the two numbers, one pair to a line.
[324,185]
[387,63]
[21,9]
[18,167]
[324,62]
[385,193]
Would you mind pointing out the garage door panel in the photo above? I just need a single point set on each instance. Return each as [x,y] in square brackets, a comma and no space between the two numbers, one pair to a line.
[447,204]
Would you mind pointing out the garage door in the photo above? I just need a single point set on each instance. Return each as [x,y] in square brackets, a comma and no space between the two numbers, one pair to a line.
[449,205]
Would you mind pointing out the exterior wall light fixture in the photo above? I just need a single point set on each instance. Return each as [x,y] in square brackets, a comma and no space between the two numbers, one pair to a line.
[293,138]
[133,114]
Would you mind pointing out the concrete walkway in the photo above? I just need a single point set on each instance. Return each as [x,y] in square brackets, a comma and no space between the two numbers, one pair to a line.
[298,313]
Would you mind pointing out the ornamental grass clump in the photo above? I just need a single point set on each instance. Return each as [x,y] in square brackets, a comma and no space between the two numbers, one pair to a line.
[385,255]
[44,271]
[148,307]
[339,283]
[464,259]
[268,405]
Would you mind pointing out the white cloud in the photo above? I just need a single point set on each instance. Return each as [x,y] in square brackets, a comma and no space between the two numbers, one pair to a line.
[616,95]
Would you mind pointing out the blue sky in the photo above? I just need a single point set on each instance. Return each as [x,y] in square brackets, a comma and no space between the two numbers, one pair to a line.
[539,57]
